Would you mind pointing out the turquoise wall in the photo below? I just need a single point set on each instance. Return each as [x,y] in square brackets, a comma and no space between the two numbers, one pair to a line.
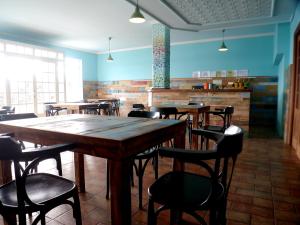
[254,54]
[89,60]
[127,65]
[281,59]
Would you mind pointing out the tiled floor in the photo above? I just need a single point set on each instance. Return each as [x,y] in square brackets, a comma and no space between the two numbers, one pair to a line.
[265,188]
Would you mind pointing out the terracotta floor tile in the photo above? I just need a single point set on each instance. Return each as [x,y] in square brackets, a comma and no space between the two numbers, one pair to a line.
[265,188]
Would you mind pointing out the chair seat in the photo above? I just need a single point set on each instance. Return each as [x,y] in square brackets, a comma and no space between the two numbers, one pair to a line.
[214,128]
[41,188]
[177,190]
[146,154]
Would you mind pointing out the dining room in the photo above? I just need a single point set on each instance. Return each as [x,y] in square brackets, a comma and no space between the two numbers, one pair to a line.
[109,107]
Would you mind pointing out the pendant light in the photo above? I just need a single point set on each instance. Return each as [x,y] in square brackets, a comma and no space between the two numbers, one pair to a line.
[223,47]
[137,16]
[109,58]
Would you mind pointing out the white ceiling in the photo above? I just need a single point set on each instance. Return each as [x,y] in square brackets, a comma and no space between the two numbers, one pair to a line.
[87,24]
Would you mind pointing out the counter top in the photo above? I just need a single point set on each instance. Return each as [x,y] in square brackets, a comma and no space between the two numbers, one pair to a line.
[198,90]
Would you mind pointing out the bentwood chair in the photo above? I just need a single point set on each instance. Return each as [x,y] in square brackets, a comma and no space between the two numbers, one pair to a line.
[190,192]
[141,158]
[51,110]
[9,109]
[19,116]
[168,112]
[138,107]
[103,108]
[34,192]
[225,114]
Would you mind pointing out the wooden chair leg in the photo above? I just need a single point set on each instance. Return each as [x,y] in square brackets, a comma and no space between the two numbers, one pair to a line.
[10,219]
[58,164]
[151,213]
[76,210]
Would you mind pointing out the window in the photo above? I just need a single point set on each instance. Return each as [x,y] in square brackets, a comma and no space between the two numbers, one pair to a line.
[74,89]
[31,76]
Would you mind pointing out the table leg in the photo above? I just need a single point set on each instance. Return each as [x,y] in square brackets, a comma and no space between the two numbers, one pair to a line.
[5,172]
[195,126]
[79,171]
[179,142]
[120,192]
[5,177]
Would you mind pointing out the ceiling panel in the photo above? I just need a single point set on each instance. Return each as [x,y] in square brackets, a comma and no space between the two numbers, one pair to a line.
[205,12]
[86,25]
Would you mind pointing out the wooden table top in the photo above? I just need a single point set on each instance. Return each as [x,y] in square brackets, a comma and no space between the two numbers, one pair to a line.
[61,104]
[103,99]
[104,134]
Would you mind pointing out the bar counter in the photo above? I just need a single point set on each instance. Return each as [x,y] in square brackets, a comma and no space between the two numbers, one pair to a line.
[238,98]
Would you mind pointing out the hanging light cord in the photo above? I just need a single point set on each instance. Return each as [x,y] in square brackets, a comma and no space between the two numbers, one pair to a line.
[109,44]
[223,34]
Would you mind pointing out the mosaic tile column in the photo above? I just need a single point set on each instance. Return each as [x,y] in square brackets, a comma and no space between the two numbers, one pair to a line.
[161,56]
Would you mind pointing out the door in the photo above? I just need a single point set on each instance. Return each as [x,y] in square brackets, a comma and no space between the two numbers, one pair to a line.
[296,103]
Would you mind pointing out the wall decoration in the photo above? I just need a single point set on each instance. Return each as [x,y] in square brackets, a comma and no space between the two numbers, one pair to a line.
[220,73]
[161,56]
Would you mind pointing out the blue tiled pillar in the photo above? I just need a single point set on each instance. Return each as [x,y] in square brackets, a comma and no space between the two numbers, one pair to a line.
[161,56]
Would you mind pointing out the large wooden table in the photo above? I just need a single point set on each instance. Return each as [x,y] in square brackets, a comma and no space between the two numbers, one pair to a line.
[195,111]
[115,138]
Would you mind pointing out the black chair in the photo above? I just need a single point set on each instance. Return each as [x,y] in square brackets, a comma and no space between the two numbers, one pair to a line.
[146,155]
[103,108]
[9,109]
[189,192]
[168,112]
[19,116]
[51,110]
[115,107]
[225,114]
[138,107]
[190,120]
[37,192]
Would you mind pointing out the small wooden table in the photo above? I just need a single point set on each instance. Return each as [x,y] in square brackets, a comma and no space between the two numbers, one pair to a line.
[114,138]
[195,111]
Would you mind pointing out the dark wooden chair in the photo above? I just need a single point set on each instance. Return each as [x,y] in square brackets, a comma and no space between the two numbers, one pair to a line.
[190,192]
[37,192]
[138,107]
[168,112]
[104,108]
[115,107]
[141,158]
[9,109]
[225,114]
[190,120]
[51,110]
[19,116]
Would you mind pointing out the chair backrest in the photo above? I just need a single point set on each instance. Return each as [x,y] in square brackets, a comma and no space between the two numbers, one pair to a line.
[9,148]
[144,114]
[196,103]
[228,146]
[232,142]
[9,109]
[165,112]
[138,107]
[229,110]
[17,116]
[104,108]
